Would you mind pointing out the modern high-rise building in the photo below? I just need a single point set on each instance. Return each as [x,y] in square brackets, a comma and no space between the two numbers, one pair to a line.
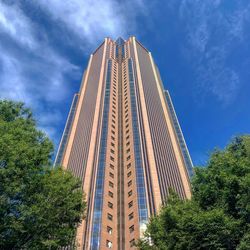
[123,140]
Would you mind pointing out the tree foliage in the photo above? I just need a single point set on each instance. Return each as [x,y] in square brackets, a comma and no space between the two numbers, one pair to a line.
[218,215]
[40,207]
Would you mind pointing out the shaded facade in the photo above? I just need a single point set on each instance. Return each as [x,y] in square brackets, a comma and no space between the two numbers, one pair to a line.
[123,140]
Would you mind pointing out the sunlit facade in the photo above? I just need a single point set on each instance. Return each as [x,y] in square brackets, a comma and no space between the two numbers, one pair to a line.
[123,140]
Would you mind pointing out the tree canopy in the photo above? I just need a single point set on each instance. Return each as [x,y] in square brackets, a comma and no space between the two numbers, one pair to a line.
[40,206]
[218,214]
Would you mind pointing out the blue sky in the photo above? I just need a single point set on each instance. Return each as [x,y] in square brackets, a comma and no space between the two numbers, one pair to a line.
[201,47]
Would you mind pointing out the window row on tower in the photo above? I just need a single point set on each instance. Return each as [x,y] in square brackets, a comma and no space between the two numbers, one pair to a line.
[111,167]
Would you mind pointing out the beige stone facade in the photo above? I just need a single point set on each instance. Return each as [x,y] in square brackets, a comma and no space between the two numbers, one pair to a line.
[123,140]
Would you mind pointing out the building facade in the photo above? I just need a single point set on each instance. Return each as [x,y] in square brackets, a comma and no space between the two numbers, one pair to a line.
[123,140]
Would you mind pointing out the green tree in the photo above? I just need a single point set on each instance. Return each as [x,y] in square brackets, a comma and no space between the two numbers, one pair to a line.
[40,207]
[218,215]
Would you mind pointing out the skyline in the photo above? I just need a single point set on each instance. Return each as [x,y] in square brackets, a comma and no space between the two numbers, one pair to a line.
[205,65]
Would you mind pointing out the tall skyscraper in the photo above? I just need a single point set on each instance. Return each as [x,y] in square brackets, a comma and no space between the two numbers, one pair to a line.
[123,140]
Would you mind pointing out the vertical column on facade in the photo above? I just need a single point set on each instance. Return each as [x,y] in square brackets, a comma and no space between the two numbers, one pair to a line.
[179,134]
[75,151]
[184,184]
[128,203]
[84,230]
[168,161]
[66,132]
[131,213]
[66,156]
[148,150]
[100,172]
[176,125]
[104,219]
[110,196]
[120,184]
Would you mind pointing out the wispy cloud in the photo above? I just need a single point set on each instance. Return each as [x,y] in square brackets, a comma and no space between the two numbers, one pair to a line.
[31,71]
[216,78]
[88,19]
[32,67]
[92,20]
[212,31]
[16,25]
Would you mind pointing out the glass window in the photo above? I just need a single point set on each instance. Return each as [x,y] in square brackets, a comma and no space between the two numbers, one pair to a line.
[132,243]
[130,204]
[130,193]
[131,229]
[109,230]
[141,193]
[110,205]
[111,194]
[109,244]
[110,217]
[97,211]
[131,216]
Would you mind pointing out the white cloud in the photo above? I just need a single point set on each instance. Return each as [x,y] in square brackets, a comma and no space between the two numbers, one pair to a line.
[212,31]
[35,73]
[31,70]
[239,22]
[33,57]
[32,67]
[12,86]
[16,24]
[15,84]
[218,79]
[90,20]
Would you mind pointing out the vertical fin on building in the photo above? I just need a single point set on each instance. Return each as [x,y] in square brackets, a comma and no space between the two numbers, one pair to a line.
[182,143]
[66,132]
